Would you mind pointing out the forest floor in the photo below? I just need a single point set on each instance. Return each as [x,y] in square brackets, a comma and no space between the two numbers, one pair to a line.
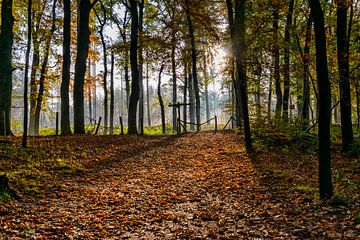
[195,186]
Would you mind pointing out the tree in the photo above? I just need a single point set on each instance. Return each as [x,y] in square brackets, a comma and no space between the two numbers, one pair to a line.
[135,83]
[43,71]
[325,182]
[287,60]
[163,126]
[343,39]
[239,48]
[112,94]
[6,69]
[276,56]
[64,89]
[82,49]
[105,73]
[26,80]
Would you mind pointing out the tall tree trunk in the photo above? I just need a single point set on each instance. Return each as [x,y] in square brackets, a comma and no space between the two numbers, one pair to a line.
[192,101]
[112,95]
[33,84]
[240,57]
[43,72]
[64,89]
[270,95]
[206,85]
[83,40]
[305,117]
[325,182]
[89,86]
[258,90]
[194,67]
[343,65]
[6,44]
[26,75]
[276,55]
[105,73]
[141,66]
[135,83]
[126,76]
[174,85]
[163,126]
[287,60]
[185,94]
[148,95]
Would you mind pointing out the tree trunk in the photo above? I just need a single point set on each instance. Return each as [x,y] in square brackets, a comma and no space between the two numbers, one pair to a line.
[82,48]
[89,86]
[258,90]
[141,66]
[6,44]
[325,182]
[276,55]
[194,67]
[206,85]
[306,85]
[174,85]
[270,95]
[343,65]
[26,77]
[33,84]
[288,28]
[163,126]
[185,95]
[192,101]
[112,95]
[43,72]
[148,95]
[135,83]
[240,57]
[64,89]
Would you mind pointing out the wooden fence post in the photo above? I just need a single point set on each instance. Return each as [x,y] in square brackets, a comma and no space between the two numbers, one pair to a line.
[215,123]
[121,126]
[98,126]
[57,124]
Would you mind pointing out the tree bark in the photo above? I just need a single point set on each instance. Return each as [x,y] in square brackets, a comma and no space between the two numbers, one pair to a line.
[26,75]
[135,83]
[305,116]
[163,126]
[325,181]
[276,55]
[82,48]
[33,84]
[343,65]
[174,84]
[141,66]
[206,85]
[185,94]
[148,95]
[6,45]
[64,89]
[112,95]
[287,60]
[194,66]
[43,72]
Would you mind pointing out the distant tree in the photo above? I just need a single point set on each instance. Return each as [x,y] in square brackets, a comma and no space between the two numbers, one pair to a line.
[163,125]
[82,47]
[6,68]
[325,182]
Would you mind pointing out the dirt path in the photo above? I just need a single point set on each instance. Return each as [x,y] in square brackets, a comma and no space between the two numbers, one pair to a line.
[198,186]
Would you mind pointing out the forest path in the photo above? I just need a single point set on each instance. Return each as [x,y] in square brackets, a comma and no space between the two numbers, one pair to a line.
[196,186]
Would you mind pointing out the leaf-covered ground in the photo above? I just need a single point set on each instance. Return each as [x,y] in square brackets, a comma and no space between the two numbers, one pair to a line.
[197,186]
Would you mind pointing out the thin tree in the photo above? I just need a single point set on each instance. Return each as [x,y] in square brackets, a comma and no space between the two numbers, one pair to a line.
[112,94]
[26,75]
[105,73]
[82,48]
[343,39]
[163,126]
[325,182]
[276,56]
[65,81]
[6,69]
